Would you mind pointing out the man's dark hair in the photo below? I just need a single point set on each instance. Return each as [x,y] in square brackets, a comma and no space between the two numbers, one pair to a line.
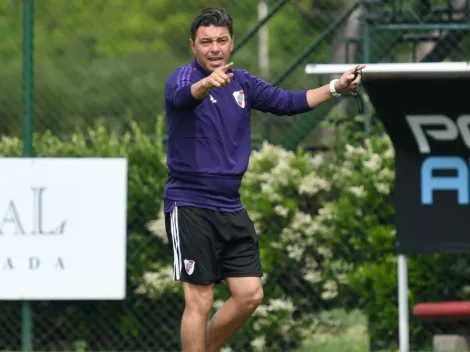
[212,17]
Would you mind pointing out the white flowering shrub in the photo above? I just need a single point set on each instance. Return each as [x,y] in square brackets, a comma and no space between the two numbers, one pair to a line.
[323,221]
[327,232]
[361,228]
[326,229]
[319,216]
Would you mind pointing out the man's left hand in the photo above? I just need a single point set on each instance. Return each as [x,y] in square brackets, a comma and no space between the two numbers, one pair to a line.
[349,81]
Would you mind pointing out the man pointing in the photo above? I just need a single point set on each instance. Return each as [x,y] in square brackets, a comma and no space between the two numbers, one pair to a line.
[208,105]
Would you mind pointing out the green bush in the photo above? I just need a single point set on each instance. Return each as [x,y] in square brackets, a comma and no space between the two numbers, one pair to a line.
[327,232]
[359,228]
[327,237]
[321,219]
[59,324]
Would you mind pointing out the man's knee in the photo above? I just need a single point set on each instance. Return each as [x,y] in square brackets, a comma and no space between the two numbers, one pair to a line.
[255,298]
[247,291]
[198,298]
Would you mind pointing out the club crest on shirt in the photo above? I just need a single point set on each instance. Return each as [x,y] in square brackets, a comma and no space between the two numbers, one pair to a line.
[239,98]
[189,266]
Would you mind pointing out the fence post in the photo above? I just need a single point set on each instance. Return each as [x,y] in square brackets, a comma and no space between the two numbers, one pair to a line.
[28,111]
[28,84]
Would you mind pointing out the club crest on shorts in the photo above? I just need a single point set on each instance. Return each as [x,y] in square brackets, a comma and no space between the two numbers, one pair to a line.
[239,98]
[189,266]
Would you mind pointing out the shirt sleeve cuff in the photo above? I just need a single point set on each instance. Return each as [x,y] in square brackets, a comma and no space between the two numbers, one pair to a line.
[187,98]
[300,102]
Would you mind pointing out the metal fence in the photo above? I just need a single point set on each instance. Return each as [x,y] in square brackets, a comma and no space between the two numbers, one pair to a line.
[107,61]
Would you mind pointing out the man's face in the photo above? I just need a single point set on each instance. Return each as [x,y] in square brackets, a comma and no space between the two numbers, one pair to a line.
[212,47]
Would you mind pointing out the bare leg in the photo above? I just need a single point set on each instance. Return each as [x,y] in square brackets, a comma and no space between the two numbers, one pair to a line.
[247,295]
[198,303]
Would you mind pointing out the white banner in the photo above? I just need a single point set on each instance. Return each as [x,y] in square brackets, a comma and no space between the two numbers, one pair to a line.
[63,228]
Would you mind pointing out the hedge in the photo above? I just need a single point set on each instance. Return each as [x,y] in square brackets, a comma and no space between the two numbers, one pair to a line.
[327,232]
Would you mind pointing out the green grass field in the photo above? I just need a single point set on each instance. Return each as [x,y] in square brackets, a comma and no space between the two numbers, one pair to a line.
[339,332]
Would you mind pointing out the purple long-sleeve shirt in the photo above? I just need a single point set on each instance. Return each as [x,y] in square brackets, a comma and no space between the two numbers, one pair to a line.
[209,140]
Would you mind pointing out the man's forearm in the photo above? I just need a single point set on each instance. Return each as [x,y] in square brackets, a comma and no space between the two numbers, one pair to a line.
[199,90]
[317,96]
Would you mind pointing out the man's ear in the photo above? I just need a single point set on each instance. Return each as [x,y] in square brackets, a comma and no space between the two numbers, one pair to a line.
[192,45]
[233,42]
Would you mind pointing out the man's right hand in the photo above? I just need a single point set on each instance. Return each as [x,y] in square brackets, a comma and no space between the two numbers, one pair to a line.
[218,78]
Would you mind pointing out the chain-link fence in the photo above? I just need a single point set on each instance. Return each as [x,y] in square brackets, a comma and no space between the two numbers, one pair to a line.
[326,232]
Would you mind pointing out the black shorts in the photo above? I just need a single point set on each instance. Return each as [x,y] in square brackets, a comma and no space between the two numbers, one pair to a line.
[209,246]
